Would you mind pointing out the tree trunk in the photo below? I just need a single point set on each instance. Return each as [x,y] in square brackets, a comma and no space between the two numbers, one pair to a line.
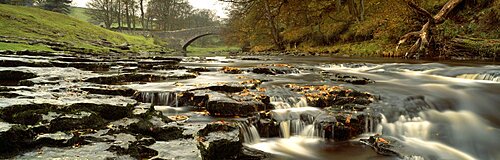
[142,14]
[127,13]
[119,14]
[424,35]
[272,25]
[362,10]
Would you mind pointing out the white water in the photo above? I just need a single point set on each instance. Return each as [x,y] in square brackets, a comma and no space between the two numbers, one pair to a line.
[250,133]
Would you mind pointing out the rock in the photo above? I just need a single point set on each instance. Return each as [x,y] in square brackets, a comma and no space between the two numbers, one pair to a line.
[219,141]
[159,133]
[231,70]
[119,91]
[79,120]
[220,105]
[159,64]
[88,66]
[248,153]
[383,145]
[268,128]
[18,62]
[134,150]
[58,139]
[275,69]
[347,78]
[325,96]
[124,46]
[13,77]
[14,139]
[132,77]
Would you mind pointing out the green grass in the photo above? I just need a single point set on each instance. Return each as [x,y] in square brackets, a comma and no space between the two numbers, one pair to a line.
[79,13]
[18,47]
[216,51]
[34,23]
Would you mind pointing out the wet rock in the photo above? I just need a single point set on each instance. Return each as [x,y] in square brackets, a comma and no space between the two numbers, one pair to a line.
[159,64]
[58,139]
[349,79]
[383,145]
[275,69]
[248,153]
[220,105]
[339,124]
[268,128]
[79,120]
[134,150]
[131,77]
[219,141]
[118,91]
[78,59]
[231,70]
[12,77]
[325,96]
[88,66]
[17,62]
[198,70]
[13,139]
[159,133]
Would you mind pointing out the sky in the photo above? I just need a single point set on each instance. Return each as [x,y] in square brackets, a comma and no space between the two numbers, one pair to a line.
[200,4]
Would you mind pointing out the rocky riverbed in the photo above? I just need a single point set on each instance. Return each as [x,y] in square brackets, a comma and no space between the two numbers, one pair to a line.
[55,105]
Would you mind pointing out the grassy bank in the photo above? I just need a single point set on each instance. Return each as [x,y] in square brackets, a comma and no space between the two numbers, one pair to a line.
[21,25]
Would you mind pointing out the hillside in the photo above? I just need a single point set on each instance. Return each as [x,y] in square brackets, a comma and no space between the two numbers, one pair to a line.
[33,28]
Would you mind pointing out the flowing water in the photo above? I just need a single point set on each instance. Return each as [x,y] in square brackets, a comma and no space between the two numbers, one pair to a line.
[435,110]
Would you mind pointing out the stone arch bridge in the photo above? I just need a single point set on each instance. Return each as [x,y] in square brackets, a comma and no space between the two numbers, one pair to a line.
[181,39]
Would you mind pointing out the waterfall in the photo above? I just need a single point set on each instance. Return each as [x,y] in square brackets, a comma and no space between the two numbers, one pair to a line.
[250,133]
[463,130]
[406,126]
[160,98]
[293,115]
[481,76]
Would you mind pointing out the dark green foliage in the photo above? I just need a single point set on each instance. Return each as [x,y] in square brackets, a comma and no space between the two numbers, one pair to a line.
[61,6]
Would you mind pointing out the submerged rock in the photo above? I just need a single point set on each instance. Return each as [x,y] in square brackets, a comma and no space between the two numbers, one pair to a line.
[14,139]
[219,141]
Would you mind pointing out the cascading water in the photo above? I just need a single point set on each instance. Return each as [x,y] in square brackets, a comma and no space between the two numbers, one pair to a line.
[160,98]
[250,133]
[450,130]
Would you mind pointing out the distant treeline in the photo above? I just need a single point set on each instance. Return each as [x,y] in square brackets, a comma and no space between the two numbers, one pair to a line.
[62,6]
[149,14]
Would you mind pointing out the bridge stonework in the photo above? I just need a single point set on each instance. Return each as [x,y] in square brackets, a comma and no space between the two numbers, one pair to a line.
[181,39]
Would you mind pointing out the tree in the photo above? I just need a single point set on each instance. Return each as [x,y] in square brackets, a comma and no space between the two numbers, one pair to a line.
[422,44]
[61,6]
[101,11]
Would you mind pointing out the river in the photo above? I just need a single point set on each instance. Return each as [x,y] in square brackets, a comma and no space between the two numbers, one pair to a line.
[427,110]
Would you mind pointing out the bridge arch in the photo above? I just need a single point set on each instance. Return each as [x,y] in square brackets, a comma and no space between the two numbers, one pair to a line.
[188,42]
[181,39]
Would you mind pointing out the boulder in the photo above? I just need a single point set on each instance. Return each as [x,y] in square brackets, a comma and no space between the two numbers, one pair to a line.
[219,141]
[275,69]
[220,105]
